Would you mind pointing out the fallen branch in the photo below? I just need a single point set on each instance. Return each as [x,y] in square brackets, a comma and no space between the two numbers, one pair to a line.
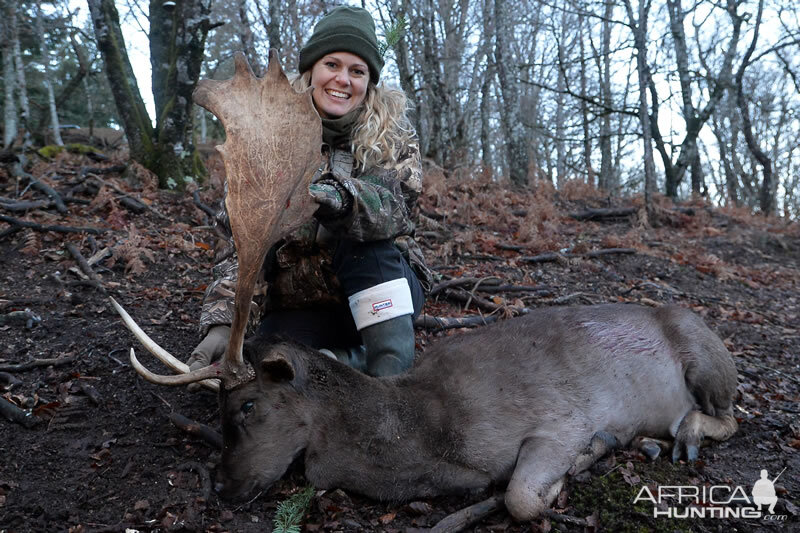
[50,192]
[557,256]
[126,195]
[461,520]
[41,227]
[36,363]
[90,392]
[547,257]
[459,282]
[604,214]
[15,414]
[201,431]
[440,323]
[84,266]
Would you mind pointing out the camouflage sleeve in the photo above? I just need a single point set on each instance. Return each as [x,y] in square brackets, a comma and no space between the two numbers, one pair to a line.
[384,200]
[218,301]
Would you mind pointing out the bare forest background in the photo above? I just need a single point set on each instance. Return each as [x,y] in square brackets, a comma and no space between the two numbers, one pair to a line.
[684,98]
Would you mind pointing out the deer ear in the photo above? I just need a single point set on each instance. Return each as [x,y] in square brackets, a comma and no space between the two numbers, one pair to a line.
[276,366]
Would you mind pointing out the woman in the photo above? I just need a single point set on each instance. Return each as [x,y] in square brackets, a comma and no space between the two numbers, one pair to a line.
[352,280]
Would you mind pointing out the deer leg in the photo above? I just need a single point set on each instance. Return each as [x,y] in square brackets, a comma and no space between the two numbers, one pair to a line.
[538,476]
[602,442]
[695,426]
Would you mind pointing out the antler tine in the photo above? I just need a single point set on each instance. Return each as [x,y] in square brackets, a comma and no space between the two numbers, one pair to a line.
[201,374]
[160,353]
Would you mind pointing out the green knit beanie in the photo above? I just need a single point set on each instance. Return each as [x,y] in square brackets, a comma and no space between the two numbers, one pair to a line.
[344,29]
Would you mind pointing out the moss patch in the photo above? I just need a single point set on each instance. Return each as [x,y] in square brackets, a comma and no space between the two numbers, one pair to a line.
[611,496]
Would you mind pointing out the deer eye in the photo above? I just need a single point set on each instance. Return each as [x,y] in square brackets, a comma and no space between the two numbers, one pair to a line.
[247,406]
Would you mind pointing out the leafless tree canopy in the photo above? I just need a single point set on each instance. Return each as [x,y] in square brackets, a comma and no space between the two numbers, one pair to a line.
[684,98]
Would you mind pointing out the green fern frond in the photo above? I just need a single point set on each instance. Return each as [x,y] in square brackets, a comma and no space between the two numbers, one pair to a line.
[291,511]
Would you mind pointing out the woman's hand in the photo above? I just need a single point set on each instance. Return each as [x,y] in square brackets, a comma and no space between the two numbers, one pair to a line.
[211,348]
[331,197]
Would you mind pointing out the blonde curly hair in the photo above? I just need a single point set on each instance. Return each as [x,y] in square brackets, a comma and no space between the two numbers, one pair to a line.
[383,131]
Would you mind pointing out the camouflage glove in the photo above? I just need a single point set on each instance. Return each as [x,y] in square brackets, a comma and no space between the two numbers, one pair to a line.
[210,348]
[334,201]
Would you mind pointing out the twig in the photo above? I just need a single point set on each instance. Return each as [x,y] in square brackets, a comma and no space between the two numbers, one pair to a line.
[546,257]
[202,431]
[91,392]
[41,227]
[440,323]
[461,520]
[566,298]
[765,367]
[565,519]
[84,265]
[15,414]
[36,363]
[608,251]
[123,193]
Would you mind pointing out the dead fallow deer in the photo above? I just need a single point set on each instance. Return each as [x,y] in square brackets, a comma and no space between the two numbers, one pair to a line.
[521,402]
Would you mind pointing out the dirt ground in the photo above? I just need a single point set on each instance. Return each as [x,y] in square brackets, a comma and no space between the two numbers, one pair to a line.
[104,456]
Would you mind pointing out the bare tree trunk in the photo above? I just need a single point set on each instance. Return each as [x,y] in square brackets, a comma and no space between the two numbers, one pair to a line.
[246,36]
[128,99]
[486,86]
[401,55]
[639,29]
[22,86]
[177,44]
[766,193]
[587,140]
[607,180]
[51,97]
[9,83]
[561,83]
[511,117]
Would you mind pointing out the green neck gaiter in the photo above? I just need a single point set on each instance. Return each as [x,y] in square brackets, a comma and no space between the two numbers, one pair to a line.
[336,131]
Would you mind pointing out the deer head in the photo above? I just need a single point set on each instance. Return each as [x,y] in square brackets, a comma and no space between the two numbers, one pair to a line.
[271,151]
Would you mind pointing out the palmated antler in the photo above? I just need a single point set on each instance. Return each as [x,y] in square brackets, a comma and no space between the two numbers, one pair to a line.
[271,153]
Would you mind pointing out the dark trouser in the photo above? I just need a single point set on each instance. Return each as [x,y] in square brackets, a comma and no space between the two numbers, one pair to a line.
[358,266]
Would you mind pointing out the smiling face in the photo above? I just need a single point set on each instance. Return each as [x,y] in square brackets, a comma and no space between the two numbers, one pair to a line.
[340,83]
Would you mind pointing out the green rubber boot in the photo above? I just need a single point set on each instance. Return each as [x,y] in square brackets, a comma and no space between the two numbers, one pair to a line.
[390,346]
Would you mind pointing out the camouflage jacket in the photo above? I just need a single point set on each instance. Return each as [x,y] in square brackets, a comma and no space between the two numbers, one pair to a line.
[296,272]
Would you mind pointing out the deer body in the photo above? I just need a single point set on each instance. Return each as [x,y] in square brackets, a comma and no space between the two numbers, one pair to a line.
[517,401]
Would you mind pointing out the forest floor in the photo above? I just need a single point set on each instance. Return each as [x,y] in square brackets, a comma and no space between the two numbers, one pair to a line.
[102,454]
